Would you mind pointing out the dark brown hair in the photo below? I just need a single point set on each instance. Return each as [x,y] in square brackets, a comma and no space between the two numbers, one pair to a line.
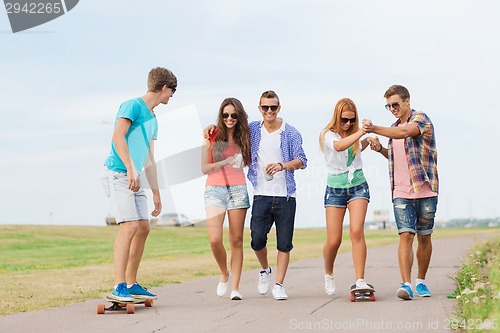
[241,133]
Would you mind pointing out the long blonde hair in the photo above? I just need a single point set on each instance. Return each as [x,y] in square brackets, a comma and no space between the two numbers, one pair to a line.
[345,104]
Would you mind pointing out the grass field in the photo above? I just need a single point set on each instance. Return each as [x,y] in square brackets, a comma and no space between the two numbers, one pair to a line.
[43,267]
[478,289]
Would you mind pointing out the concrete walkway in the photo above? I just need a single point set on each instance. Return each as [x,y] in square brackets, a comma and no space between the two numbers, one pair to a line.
[194,307]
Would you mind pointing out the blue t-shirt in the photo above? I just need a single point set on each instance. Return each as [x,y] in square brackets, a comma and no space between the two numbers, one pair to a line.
[144,127]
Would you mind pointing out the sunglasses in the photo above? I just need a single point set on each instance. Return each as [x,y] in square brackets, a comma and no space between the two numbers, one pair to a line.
[266,108]
[395,106]
[233,115]
[346,120]
[173,90]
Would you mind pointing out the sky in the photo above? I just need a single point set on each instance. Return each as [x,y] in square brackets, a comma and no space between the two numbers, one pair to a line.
[61,84]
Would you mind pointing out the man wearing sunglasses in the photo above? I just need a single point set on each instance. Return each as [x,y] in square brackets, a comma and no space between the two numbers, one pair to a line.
[412,156]
[132,151]
[276,151]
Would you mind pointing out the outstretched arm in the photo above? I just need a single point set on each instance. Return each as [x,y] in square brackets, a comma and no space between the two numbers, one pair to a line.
[348,141]
[400,132]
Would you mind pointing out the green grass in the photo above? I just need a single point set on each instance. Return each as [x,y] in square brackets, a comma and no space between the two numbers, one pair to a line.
[478,289]
[75,264]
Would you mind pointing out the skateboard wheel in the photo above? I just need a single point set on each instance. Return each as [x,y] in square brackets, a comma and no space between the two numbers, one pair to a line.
[148,303]
[130,309]
[372,297]
[101,309]
[352,297]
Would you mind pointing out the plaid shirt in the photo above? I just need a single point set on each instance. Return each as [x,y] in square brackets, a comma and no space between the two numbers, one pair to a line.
[421,153]
[291,149]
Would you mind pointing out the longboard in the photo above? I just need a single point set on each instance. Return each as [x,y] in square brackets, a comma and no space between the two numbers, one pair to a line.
[362,294]
[129,307]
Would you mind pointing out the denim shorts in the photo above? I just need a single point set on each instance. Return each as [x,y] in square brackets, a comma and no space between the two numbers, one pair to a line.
[340,197]
[234,197]
[410,212]
[267,210]
[126,205]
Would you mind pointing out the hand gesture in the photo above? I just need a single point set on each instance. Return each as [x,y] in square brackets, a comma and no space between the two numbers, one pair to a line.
[368,126]
[207,132]
[375,144]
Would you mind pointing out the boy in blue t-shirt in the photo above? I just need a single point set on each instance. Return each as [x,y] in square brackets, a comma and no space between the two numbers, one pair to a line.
[132,151]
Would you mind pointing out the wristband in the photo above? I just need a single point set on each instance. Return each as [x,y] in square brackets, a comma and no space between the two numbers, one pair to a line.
[378,151]
[281,165]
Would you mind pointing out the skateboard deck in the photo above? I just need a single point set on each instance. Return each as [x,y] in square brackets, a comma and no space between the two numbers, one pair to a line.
[362,294]
[129,307]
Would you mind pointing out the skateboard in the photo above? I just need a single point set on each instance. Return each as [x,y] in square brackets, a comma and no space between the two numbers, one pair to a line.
[129,307]
[362,294]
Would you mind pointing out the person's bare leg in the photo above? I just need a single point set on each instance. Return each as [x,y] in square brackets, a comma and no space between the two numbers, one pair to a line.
[405,255]
[123,240]
[136,251]
[262,257]
[215,220]
[334,219]
[424,252]
[282,262]
[236,228]
[357,214]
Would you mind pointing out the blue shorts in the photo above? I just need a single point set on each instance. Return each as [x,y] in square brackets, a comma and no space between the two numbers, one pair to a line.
[234,197]
[267,210]
[410,212]
[340,197]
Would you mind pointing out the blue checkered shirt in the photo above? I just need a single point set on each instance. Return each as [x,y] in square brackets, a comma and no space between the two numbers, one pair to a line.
[291,149]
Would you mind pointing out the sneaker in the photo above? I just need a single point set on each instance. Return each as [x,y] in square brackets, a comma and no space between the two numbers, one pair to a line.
[279,292]
[264,281]
[121,293]
[422,290]
[405,292]
[222,287]
[361,284]
[138,291]
[236,296]
[330,287]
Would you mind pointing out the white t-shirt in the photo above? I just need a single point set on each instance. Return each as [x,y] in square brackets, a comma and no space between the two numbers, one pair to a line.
[270,152]
[336,161]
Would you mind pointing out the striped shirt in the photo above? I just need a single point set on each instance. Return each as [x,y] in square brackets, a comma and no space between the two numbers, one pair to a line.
[291,149]
[421,153]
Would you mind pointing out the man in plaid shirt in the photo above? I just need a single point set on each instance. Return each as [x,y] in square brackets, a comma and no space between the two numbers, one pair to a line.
[412,156]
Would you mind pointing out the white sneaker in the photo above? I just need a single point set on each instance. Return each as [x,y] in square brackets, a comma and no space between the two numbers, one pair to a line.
[222,287]
[279,292]
[264,281]
[330,286]
[361,284]
[236,296]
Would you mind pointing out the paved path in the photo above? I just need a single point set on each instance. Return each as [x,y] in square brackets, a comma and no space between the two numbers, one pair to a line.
[194,307]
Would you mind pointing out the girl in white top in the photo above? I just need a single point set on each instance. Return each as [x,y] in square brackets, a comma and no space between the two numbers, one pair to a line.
[346,189]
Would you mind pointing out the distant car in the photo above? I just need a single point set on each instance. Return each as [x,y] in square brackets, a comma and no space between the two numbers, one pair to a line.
[174,219]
